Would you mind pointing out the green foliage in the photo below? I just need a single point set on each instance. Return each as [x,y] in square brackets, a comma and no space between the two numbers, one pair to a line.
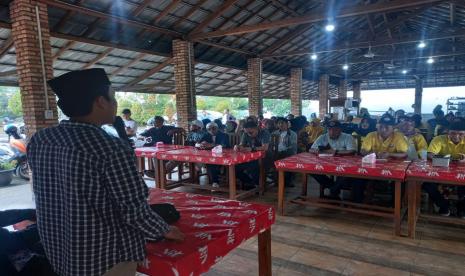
[6,166]
[277,107]
[146,106]
[14,104]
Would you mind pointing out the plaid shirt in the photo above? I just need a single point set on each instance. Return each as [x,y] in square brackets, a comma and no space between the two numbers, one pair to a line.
[92,206]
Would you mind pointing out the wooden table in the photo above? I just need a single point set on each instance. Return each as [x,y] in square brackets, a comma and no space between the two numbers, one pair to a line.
[345,166]
[417,174]
[213,228]
[228,158]
[150,153]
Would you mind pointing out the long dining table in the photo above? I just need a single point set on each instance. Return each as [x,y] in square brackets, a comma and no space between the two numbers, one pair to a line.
[392,171]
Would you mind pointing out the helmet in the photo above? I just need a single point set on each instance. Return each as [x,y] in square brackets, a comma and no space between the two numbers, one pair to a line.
[11,130]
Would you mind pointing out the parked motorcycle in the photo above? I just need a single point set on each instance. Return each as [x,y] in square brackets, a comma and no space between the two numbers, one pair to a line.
[16,150]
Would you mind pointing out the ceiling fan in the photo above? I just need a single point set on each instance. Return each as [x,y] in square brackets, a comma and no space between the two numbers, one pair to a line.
[369,53]
[390,65]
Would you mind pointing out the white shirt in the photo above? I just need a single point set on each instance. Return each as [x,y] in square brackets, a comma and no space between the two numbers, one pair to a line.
[344,142]
[130,124]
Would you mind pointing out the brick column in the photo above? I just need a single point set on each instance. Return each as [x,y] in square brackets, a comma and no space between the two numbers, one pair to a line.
[184,78]
[296,91]
[254,86]
[356,87]
[323,91]
[35,95]
[418,95]
[342,89]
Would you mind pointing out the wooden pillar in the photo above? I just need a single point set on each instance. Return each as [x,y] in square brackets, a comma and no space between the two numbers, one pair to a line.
[33,63]
[342,89]
[184,78]
[356,88]
[418,95]
[254,86]
[323,91]
[296,91]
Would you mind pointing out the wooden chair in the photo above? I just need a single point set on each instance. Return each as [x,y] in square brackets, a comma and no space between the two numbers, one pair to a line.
[234,140]
[358,142]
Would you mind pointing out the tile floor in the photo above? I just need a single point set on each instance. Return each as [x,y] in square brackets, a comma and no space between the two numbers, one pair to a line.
[311,241]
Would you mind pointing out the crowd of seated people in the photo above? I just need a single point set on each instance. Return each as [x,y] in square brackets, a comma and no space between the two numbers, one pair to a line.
[394,135]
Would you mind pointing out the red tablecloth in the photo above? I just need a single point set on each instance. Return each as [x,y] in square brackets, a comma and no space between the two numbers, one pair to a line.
[346,165]
[152,151]
[213,227]
[454,173]
[228,157]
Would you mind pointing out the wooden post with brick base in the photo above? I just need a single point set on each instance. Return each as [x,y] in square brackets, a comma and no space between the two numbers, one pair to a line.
[183,61]
[29,66]
[254,86]
[323,91]
[296,91]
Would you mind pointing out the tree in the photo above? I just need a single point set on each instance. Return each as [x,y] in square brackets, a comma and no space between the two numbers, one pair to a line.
[14,104]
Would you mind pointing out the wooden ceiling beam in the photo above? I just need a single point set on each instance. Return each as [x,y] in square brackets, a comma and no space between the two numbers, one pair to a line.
[139,9]
[138,58]
[6,46]
[151,72]
[452,14]
[97,58]
[115,18]
[287,38]
[318,16]
[66,17]
[365,44]
[199,28]
[63,49]
[191,11]
[166,11]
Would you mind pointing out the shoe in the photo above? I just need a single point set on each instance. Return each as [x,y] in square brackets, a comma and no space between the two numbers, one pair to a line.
[215,185]
[149,173]
[444,213]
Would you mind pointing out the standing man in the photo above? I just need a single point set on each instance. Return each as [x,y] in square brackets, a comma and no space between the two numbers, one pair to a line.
[92,210]
[227,117]
[129,123]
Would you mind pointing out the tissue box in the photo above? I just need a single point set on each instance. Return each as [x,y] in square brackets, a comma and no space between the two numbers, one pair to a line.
[441,161]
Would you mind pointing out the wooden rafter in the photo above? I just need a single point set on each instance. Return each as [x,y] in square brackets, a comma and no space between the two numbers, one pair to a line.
[97,58]
[115,18]
[287,38]
[66,17]
[138,10]
[63,49]
[191,11]
[167,10]
[149,73]
[348,45]
[138,58]
[6,46]
[317,16]
[226,5]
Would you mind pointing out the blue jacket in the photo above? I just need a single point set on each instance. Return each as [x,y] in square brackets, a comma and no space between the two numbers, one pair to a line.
[221,139]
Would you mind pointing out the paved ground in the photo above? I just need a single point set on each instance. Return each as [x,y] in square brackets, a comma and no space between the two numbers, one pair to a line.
[311,241]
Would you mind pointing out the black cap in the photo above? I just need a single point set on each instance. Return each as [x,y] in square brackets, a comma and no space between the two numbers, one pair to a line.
[387,119]
[333,124]
[76,84]
[457,126]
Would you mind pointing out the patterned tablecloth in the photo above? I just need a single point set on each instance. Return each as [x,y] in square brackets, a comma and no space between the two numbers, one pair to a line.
[193,155]
[152,151]
[213,227]
[455,173]
[345,165]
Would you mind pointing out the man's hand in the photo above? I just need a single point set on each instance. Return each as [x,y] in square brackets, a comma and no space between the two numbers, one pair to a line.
[461,157]
[175,234]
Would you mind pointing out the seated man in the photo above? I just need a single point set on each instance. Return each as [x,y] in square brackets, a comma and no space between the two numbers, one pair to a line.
[21,252]
[407,127]
[195,134]
[452,143]
[213,138]
[287,145]
[253,139]
[334,142]
[160,132]
[385,143]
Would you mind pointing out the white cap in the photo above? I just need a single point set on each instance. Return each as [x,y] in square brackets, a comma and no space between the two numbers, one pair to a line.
[197,123]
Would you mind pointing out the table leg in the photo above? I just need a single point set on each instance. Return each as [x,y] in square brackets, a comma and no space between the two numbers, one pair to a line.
[412,208]
[264,253]
[262,176]
[304,184]
[232,181]
[156,166]
[397,208]
[141,165]
[161,174]
[281,192]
